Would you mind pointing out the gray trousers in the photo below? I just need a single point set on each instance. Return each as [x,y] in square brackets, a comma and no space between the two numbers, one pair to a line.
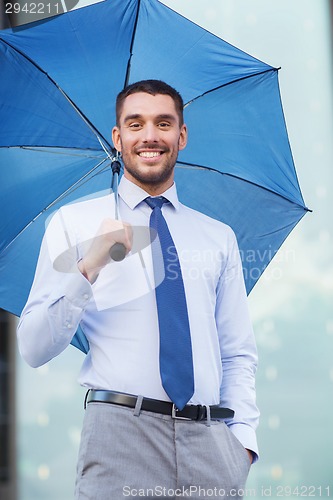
[129,454]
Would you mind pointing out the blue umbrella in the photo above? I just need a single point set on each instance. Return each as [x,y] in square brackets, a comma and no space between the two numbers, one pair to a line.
[59,81]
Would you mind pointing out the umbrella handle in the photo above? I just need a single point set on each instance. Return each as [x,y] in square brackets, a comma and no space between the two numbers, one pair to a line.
[118,250]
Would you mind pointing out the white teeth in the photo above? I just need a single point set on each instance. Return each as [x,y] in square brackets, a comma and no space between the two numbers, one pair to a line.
[149,154]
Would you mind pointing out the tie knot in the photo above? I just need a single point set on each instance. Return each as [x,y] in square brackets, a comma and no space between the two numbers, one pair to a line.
[156,202]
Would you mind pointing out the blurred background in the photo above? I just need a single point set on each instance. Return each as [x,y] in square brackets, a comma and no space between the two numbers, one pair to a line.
[41,410]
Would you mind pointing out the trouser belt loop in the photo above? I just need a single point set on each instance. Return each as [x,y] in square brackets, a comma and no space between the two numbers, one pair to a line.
[86,399]
[208,416]
[138,405]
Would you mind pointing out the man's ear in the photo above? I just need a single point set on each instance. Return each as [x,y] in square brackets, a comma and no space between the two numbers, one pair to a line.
[182,137]
[116,138]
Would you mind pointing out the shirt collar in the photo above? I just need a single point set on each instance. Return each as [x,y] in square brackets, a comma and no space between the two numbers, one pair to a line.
[133,195]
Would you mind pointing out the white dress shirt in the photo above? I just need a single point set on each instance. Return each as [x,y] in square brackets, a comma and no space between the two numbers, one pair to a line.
[118,312]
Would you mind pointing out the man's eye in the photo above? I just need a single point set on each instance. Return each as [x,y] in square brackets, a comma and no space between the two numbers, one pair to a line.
[134,125]
[164,124]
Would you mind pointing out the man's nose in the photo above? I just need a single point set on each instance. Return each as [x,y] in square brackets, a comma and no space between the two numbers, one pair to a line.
[150,133]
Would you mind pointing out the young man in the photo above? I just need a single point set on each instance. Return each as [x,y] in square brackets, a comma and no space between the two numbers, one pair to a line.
[152,426]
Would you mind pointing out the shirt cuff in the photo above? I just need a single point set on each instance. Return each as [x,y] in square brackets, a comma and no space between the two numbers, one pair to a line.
[76,288]
[247,437]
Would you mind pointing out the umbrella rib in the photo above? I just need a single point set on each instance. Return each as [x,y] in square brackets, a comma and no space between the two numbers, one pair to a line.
[83,180]
[185,165]
[213,34]
[245,78]
[80,182]
[49,150]
[93,129]
[98,136]
[128,69]
[230,83]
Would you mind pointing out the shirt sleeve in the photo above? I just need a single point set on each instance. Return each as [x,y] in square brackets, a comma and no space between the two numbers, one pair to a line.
[56,303]
[238,350]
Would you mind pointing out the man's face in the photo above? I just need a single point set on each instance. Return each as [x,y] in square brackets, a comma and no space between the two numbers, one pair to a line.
[149,137]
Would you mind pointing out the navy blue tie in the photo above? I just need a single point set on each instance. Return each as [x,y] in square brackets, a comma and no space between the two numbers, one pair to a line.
[176,363]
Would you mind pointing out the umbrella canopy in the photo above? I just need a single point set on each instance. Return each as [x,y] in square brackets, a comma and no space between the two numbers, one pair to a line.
[59,81]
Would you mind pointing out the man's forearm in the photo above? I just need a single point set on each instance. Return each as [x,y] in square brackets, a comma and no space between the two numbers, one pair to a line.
[47,325]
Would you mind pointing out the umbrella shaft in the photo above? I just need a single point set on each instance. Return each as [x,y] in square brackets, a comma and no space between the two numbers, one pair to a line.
[115,177]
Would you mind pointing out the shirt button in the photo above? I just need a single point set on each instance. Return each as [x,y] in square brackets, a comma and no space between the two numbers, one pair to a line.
[86,296]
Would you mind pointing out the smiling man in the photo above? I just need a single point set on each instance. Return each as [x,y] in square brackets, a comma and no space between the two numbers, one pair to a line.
[149,139]
[170,408]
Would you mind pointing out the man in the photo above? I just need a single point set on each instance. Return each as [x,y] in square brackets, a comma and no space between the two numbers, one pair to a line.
[141,436]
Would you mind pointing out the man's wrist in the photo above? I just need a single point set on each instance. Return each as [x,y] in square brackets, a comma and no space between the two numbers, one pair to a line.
[90,275]
[251,455]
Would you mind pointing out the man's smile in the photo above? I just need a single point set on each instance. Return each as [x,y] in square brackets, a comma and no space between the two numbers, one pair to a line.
[150,154]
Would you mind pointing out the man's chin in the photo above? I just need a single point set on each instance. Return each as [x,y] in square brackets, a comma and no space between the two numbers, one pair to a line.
[151,174]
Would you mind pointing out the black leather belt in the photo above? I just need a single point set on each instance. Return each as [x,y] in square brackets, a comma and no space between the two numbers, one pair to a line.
[189,412]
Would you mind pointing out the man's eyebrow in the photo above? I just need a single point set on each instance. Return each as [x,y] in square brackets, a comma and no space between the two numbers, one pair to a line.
[134,116]
[163,116]
[167,116]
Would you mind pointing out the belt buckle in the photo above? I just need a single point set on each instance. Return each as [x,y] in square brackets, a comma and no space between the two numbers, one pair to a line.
[174,415]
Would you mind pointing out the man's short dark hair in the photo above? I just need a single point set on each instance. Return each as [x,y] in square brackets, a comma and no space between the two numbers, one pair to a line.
[152,87]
